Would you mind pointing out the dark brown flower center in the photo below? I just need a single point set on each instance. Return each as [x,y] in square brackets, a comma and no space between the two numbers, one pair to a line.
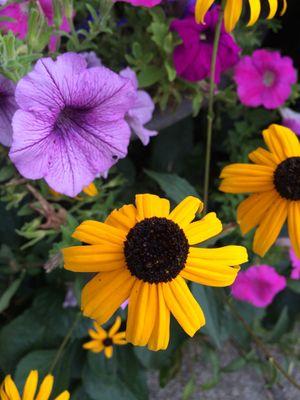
[287,178]
[107,342]
[156,250]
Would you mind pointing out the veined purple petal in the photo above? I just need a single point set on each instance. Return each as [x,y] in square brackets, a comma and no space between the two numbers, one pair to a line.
[8,107]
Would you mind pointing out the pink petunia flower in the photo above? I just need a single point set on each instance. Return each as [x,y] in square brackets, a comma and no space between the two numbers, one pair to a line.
[265,79]
[7,109]
[295,265]
[141,111]
[192,59]
[18,13]
[291,119]
[258,285]
[142,3]
[71,123]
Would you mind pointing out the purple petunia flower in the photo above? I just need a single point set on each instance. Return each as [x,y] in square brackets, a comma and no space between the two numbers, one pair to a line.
[8,107]
[265,79]
[141,111]
[295,265]
[91,59]
[291,119]
[192,59]
[142,3]
[70,300]
[258,285]
[71,124]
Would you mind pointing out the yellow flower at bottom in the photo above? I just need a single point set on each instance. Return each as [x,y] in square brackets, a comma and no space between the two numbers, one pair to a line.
[274,181]
[233,11]
[9,391]
[144,253]
[103,340]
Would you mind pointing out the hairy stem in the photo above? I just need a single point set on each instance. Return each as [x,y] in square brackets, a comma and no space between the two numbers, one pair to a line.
[210,112]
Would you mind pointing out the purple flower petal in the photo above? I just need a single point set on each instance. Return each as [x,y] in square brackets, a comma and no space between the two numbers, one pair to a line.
[258,285]
[291,119]
[71,126]
[8,107]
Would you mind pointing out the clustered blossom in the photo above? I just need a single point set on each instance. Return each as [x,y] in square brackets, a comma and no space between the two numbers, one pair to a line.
[265,79]
[8,107]
[192,59]
[258,285]
[71,123]
[17,12]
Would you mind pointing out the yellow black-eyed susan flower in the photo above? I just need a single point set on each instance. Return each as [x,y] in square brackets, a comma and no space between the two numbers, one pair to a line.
[233,11]
[144,253]
[9,391]
[103,340]
[274,181]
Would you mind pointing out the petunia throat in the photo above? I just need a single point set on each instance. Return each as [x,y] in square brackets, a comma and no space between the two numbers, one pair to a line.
[156,250]
[287,178]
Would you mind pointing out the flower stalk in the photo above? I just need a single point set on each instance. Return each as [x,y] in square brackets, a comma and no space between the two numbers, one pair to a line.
[210,112]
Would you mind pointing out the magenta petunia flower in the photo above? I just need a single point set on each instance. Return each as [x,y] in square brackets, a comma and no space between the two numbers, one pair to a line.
[71,124]
[18,19]
[258,285]
[8,107]
[192,59]
[295,274]
[142,110]
[265,79]
[142,3]
[291,119]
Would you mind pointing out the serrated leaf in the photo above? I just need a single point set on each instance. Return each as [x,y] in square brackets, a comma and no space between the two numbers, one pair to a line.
[149,75]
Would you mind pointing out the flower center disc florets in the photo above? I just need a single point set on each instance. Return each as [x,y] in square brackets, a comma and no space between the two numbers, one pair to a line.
[107,342]
[156,250]
[287,178]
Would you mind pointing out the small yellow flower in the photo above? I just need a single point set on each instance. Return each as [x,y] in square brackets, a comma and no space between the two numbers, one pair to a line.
[103,340]
[274,181]
[233,11]
[9,391]
[90,190]
[144,253]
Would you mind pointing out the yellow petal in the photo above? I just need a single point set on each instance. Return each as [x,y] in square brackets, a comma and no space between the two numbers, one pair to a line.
[273,4]
[95,258]
[282,142]
[63,396]
[102,334]
[214,267]
[186,211]
[91,190]
[150,205]
[246,185]
[270,227]
[263,157]
[94,345]
[204,229]
[10,389]
[142,309]
[251,211]
[104,294]
[255,9]
[45,388]
[94,232]
[116,326]
[30,386]
[201,8]
[120,338]
[248,171]
[124,218]
[294,225]
[284,8]
[160,336]
[183,306]
[108,351]
[232,13]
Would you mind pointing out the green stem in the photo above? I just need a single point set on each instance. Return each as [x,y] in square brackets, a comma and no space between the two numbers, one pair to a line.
[210,112]
[64,343]
[262,347]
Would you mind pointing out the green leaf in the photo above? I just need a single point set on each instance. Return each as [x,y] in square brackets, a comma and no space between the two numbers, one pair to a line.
[149,75]
[212,311]
[235,365]
[281,326]
[176,188]
[9,293]
[294,285]
[189,389]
